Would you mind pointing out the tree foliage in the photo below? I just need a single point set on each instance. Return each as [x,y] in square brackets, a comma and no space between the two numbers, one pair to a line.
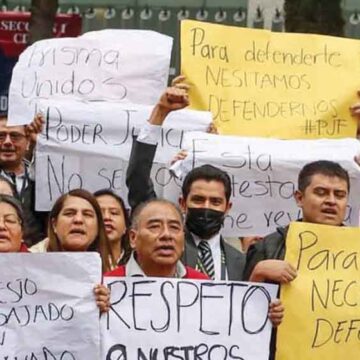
[314,16]
[42,20]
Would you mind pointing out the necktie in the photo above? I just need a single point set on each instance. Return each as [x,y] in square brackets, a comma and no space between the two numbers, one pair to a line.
[206,258]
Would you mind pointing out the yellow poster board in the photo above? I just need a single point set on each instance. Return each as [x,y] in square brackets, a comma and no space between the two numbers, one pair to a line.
[259,83]
[322,305]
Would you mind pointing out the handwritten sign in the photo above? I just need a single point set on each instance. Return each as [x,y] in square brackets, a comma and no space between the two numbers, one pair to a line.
[259,83]
[109,65]
[264,175]
[88,145]
[152,318]
[47,308]
[322,303]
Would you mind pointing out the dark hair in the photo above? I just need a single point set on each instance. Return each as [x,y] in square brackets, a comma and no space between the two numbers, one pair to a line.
[323,167]
[125,242]
[139,209]
[101,242]
[11,185]
[208,173]
[16,204]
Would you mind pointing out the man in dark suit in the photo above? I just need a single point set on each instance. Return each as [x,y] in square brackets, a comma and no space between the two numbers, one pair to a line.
[205,197]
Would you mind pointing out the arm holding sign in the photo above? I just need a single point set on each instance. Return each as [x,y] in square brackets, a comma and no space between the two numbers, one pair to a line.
[144,147]
[32,131]
[278,271]
[102,297]
[276,312]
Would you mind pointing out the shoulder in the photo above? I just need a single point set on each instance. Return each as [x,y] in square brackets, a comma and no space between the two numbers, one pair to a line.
[118,271]
[194,274]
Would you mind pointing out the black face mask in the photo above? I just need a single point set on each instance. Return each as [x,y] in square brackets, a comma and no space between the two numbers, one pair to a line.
[203,222]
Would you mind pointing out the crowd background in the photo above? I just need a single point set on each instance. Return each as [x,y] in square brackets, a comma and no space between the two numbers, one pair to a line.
[81,221]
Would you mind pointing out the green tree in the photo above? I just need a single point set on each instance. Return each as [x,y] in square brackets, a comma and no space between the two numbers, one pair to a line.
[42,19]
[314,16]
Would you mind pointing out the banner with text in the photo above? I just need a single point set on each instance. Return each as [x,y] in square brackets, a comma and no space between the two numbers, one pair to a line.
[88,146]
[48,308]
[264,175]
[14,34]
[152,318]
[259,83]
[109,65]
[322,303]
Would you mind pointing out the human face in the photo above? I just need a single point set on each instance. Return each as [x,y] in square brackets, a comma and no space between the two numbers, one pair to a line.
[13,144]
[206,194]
[158,238]
[76,226]
[5,188]
[113,216]
[10,229]
[324,200]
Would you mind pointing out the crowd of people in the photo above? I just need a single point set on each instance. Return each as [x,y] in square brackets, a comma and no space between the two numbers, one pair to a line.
[161,239]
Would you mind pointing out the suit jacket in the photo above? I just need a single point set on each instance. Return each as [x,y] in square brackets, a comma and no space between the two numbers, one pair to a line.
[234,259]
[141,189]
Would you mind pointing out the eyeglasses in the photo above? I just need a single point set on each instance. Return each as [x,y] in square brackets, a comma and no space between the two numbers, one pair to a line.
[14,136]
[10,220]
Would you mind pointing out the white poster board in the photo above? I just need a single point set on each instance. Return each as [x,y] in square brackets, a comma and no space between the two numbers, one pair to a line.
[48,308]
[88,145]
[264,175]
[108,65]
[153,318]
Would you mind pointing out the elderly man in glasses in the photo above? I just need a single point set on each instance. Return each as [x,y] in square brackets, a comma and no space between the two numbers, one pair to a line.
[15,143]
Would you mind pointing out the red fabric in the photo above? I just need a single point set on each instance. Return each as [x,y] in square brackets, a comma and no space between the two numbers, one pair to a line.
[190,273]
[14,29]
[23,248]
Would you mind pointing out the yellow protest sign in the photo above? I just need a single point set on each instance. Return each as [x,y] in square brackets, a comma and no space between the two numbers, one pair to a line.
[322,305]
[259,83]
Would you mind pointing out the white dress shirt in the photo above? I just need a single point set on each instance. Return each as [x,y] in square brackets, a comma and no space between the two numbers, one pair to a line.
[215,247]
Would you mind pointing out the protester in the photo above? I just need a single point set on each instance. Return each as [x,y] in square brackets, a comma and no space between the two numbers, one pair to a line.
[11,225]
[157,237]
[11,240]
[76,224]
[205,198]
[116,221]
[15,142]
[323,191]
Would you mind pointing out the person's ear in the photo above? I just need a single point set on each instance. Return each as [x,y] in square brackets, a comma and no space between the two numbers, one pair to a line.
[132,238]
[182,204]
[53,224]
[299,196]
[228,207]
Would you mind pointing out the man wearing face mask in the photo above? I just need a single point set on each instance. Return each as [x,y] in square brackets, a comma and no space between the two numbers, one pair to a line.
[205,197]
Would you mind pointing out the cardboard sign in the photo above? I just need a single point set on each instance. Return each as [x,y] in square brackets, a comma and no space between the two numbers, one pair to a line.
[263,175]
[259,83]
[322,303]
[48,308]
[88,145]
[109,65]
[152,318]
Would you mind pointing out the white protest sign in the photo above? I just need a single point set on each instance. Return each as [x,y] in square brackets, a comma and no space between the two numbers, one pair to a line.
[153,318]
[108,65]
[47,308]
[88,145]
[264,175]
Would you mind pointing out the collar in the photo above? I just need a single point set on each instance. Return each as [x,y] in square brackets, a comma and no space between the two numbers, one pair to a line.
[214,241]
[132,268]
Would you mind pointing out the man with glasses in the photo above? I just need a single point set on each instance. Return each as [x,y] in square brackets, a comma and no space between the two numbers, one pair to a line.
[15,143]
